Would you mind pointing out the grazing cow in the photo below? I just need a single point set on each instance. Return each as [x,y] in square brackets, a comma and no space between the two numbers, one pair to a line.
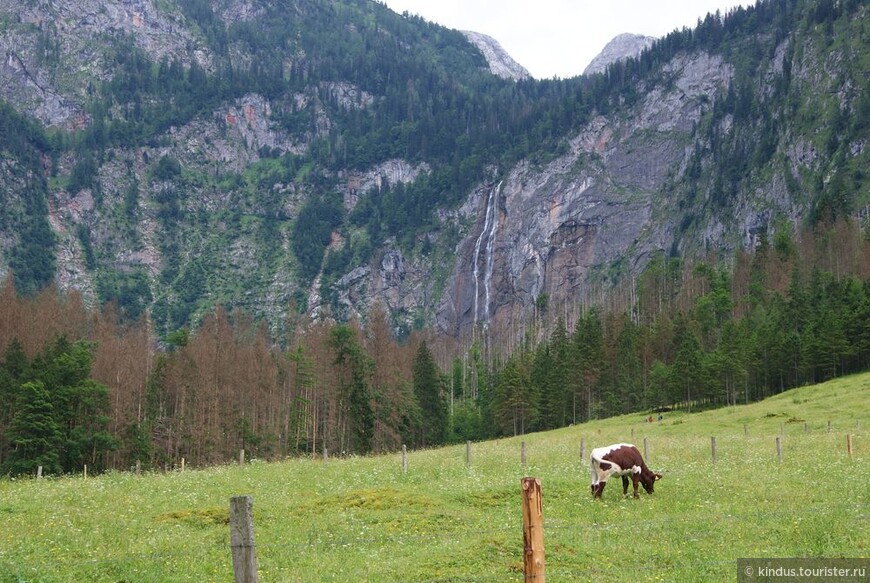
[620,459]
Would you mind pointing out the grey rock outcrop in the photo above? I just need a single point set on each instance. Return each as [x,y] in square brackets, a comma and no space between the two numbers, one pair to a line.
[500,62]
[623,46]
[543,230]
[54,93]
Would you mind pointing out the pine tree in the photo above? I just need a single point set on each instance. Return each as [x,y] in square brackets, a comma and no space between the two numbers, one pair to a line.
[33,435]
[356,366]
[427,388]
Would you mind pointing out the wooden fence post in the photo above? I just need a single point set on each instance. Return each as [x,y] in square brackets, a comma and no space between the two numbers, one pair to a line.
[713,448]
[745,431]
[646,449]
[138,467]
[468,454]
[533,532]
[242,457]
[829,425]
[582,449]
[182,465]
[85,472]
[523,454]
[242,539]
[404,459]
[806,427]
[779,449]
[39,473]
[849,443]
[325,455]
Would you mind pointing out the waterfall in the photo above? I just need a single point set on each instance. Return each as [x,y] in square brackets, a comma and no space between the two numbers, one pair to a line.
[490,224]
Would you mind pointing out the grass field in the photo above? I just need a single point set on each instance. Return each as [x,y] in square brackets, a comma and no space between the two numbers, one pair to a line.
[364,519]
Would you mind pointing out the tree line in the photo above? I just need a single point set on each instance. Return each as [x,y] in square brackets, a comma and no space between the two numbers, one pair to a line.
[90,387]
[701,334]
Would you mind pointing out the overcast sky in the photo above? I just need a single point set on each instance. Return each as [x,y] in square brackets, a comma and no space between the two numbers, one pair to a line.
[558,38]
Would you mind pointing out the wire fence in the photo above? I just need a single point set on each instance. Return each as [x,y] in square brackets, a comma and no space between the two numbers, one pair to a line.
[560,561]
[557,570]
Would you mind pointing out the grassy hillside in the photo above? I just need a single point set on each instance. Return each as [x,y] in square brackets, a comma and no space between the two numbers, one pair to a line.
[363,519]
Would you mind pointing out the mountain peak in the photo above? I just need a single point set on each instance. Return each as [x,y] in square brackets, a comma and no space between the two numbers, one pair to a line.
[500,62]
[622,46]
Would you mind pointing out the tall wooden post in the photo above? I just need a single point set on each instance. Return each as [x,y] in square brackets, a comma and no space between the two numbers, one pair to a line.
[242,457]
[849,443]
[745,431]
[646,449]
[467,454]
[713,448]
[582,449]
[534,568]
[523,454]
[39,472]
[404,459]
[242,539]
[779,449]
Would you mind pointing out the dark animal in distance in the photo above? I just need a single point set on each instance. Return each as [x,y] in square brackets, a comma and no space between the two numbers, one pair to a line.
[624,460]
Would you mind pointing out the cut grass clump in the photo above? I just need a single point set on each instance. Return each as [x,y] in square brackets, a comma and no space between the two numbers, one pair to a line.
[205,517]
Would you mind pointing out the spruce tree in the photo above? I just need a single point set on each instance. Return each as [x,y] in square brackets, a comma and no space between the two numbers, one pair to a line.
[34,436]
[427,388]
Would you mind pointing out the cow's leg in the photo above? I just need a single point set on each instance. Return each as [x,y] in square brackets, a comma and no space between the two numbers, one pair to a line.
[599,489]
[625,486]
[635,478]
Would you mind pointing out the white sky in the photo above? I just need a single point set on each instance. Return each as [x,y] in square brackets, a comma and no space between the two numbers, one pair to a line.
[558,38]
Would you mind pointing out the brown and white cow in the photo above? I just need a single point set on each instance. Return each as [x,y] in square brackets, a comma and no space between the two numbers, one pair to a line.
[620,459]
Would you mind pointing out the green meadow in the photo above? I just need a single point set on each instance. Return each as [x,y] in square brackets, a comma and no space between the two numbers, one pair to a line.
[365,519]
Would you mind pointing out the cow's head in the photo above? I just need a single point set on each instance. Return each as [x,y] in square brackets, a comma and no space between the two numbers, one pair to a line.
[649,480]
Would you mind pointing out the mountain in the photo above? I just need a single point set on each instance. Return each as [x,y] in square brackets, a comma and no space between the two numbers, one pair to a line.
[500,62]
[330,154]
[620,48]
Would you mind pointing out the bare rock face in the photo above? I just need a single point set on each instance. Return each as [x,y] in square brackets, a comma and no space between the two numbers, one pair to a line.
[52,84]
[391,172]
[500,62]
[622,47]
[542,230]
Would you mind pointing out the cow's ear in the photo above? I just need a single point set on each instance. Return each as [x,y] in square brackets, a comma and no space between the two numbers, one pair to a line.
[658,476]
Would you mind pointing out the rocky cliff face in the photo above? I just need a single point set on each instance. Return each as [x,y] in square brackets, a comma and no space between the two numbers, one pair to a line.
[75,33]
[613,197]
[543,230]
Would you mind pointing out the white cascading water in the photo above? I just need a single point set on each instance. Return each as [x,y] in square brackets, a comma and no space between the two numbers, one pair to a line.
[490,224]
